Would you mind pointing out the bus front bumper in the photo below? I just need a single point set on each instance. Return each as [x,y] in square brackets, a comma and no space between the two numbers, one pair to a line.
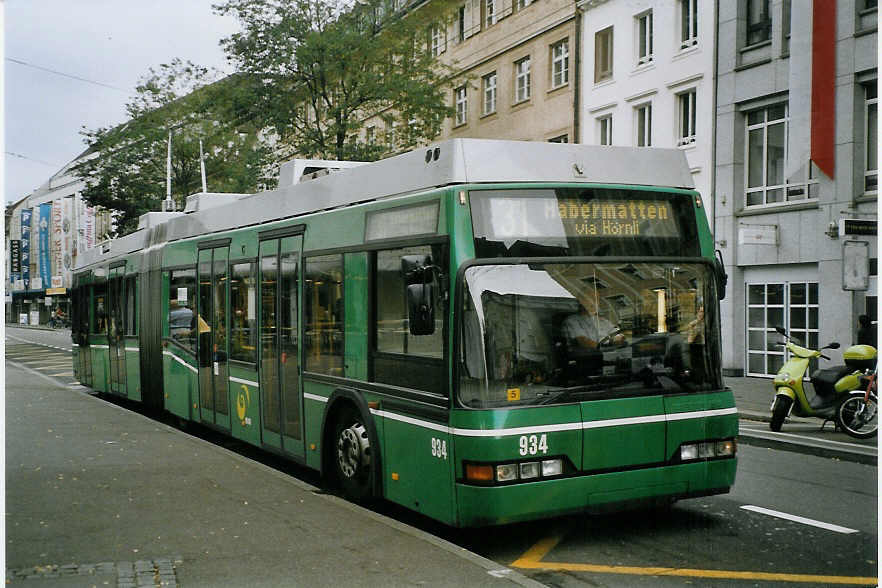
[482,505]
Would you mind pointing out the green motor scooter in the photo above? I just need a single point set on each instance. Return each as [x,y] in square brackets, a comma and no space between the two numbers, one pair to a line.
[843,394]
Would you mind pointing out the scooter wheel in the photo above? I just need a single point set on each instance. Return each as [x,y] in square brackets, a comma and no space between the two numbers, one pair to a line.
[779,412]
[857,418]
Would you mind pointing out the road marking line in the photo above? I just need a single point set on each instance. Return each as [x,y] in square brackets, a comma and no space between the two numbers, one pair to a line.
[532,560]
[797,519]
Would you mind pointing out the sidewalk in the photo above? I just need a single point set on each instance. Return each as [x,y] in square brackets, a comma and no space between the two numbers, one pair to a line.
[99,495]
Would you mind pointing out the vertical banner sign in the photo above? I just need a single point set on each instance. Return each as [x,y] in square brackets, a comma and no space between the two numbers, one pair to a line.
[14,260]
[55,239]
[89,227]
[80,234]
[68,239]
[35,249]
[45,250]
[26,247]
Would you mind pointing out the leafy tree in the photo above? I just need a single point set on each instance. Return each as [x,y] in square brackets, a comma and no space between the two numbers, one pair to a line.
[320,69]
[126,170]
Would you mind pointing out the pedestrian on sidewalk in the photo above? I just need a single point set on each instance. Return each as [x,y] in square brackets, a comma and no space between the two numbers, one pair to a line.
[866,334]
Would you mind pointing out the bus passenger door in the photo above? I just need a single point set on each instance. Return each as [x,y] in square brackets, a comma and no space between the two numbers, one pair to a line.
[116,331]
[211,338]
[280,389]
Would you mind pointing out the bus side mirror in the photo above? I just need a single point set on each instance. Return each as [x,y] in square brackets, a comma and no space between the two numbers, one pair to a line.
[420,309]
[720,273]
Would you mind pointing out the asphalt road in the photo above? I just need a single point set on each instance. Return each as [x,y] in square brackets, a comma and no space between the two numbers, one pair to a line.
[716,541]
[791,519]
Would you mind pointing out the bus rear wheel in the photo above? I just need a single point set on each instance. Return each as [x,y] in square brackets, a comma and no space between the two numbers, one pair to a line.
[352,456]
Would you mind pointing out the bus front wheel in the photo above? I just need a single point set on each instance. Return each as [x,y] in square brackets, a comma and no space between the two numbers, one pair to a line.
[352,455]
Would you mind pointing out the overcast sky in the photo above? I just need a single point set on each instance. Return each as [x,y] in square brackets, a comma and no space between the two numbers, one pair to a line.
[106,42]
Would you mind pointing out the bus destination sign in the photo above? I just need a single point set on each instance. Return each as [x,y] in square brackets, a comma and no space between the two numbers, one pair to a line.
[631,218]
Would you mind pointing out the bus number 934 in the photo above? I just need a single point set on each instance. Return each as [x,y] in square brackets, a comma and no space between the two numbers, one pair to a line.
[439,448]
[532,444]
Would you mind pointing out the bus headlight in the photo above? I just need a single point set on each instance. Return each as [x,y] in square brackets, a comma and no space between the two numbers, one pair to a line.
[489,474]
[529,470]
[506,472]
[552,467]
[707,450]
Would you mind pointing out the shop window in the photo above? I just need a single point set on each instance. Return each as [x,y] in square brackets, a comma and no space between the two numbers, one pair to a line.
[792,305]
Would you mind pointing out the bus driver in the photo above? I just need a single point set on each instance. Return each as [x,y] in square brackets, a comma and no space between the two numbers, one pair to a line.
[587,328]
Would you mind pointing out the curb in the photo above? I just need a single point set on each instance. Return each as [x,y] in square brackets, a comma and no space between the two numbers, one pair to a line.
[867,455]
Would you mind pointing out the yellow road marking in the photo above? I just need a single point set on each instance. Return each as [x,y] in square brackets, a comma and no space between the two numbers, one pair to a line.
[532,560]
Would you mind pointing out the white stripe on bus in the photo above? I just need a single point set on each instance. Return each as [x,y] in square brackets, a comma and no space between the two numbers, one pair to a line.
[180,361]
[133,349]
[246,382]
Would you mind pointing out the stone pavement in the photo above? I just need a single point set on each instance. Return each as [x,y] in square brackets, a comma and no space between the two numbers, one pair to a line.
[97,495]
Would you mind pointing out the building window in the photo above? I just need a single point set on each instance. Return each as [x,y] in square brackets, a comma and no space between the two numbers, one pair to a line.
[521,4]
[522,79]
[604,130]
[460,24]
[759,22]
[785,28]
[462,105]
[560,64]
[871,118]
[490,14]
[489,85]
[644,124]
[559,139]
[688,23]
[437,40]
[371,135]
[766,157]
[793,306]
[603,55]
[392,134]
[644,38]
[686,127]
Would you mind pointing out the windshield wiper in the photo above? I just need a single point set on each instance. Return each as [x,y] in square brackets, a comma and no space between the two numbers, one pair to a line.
[561,393]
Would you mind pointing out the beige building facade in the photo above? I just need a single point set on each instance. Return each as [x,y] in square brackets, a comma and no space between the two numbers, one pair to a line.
[517,64]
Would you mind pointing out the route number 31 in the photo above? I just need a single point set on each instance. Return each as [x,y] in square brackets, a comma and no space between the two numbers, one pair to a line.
[533,444]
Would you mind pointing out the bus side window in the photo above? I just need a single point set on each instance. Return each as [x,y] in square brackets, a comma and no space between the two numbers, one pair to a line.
[323,331]
[99,311]
[243,305]
[399,357]
[182,300]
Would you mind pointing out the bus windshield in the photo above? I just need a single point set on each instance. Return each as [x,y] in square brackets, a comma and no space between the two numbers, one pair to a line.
[589,222]
[550,333]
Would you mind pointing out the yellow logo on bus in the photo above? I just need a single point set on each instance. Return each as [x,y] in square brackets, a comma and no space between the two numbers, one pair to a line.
[514,394]
[243,401]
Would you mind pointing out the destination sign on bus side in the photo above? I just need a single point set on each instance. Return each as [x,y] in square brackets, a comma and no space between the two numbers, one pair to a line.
[650,218]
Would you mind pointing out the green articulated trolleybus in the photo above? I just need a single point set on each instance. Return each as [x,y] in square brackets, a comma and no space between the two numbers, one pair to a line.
[481,331]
